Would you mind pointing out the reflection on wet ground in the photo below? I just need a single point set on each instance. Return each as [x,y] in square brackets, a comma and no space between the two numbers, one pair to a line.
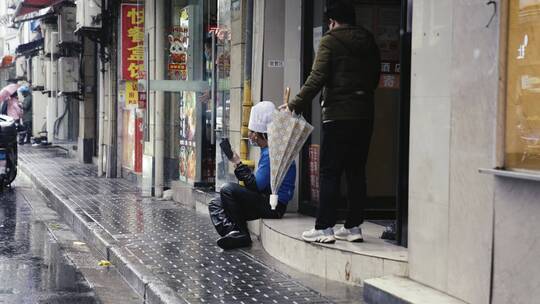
[26,274]
[176,243]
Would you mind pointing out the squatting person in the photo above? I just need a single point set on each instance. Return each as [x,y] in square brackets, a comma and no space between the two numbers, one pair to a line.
[237,204]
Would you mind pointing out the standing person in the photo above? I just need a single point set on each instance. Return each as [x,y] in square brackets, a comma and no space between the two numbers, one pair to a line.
[347,65]
[237,204]
[27,114]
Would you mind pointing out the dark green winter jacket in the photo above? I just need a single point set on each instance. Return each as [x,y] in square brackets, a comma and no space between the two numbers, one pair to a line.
[347,65]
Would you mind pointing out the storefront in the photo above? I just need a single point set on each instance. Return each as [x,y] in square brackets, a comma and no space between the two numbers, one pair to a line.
[387,167]
[192,73]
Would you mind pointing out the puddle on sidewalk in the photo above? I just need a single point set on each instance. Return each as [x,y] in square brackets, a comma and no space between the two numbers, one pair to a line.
[32,269]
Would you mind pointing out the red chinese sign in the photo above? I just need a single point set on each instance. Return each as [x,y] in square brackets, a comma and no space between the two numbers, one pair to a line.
[132,31]
[139,138]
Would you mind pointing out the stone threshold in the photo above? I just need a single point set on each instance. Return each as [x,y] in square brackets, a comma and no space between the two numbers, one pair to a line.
[400,290]
[344,262]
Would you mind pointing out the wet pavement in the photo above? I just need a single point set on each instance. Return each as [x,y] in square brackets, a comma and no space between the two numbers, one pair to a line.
[25,274]
[174,242]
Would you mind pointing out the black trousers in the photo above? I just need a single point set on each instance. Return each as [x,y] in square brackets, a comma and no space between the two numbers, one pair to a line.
[345,148]
[28,131]
[236,205]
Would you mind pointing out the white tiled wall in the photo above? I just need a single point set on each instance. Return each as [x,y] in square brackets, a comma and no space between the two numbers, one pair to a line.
[453,113]
[430,141]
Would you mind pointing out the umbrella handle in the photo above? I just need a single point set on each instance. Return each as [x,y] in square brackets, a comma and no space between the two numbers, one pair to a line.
[273,201]
[286,95]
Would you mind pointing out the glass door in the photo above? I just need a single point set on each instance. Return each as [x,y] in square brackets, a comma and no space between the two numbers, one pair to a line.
[387,156]
[186,83]
[222,71]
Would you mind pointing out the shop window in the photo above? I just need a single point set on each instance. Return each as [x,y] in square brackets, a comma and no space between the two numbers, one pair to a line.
[522,146]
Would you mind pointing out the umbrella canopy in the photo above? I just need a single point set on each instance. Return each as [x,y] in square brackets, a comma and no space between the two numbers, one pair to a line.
[287,133]
[7,91]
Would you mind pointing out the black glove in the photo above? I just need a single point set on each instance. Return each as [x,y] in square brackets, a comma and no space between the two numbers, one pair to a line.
[244,174]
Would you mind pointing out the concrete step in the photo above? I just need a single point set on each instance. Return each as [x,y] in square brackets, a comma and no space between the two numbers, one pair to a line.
[400,290]
[344,262]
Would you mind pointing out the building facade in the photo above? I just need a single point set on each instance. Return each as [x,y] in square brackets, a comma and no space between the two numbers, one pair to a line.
[454,156]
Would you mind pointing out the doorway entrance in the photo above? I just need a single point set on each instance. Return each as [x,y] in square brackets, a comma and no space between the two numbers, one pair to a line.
[387,167]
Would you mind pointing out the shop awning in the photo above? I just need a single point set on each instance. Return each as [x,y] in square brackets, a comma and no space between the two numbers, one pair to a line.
[30,47]
[30,6]
[6,61]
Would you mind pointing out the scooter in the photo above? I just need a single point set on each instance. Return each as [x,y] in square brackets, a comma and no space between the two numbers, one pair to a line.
[8,151]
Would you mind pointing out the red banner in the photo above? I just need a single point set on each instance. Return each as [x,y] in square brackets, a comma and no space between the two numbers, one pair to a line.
[139,138]
[132,32]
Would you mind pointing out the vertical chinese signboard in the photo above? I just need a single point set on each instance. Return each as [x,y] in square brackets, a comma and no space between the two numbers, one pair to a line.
[131,70]
[132,51]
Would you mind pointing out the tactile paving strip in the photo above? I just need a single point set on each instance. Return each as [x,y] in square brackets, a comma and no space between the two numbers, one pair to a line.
[176,243]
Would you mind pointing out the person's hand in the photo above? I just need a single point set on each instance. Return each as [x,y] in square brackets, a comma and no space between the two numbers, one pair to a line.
[235,159]
[284,107]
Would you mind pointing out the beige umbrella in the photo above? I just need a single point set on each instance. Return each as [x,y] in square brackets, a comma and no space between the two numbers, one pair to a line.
[287,133]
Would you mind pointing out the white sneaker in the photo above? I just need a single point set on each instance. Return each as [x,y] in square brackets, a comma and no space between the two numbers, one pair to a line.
[319,236]
[352,235]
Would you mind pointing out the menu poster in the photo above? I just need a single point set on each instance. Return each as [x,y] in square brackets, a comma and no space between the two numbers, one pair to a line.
[188,164]
[188,129]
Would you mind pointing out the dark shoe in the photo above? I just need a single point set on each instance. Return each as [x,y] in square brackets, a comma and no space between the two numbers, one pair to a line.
[234,239]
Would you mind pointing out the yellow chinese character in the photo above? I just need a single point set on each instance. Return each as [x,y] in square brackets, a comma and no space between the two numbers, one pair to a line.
[136,34]
[136,53]
[136,15]
[134,69]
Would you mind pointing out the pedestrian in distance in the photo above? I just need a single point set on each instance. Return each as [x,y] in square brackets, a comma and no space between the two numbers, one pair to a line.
[347,69]
[27,114]
[12,108]
[237,204]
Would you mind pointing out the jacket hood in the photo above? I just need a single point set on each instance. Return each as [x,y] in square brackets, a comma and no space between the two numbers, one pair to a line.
[354,37]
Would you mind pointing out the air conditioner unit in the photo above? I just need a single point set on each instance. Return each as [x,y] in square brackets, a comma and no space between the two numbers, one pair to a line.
[88,14]
[67,23]
[21,66]
[51,42]
[38,72]
[51,76]
[69,74]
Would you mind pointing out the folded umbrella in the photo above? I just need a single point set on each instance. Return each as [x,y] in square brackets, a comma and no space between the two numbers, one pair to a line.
[287,133]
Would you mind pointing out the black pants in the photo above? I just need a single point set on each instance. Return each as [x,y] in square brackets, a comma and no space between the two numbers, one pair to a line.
[28,132]
[345,147]
[236,205]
